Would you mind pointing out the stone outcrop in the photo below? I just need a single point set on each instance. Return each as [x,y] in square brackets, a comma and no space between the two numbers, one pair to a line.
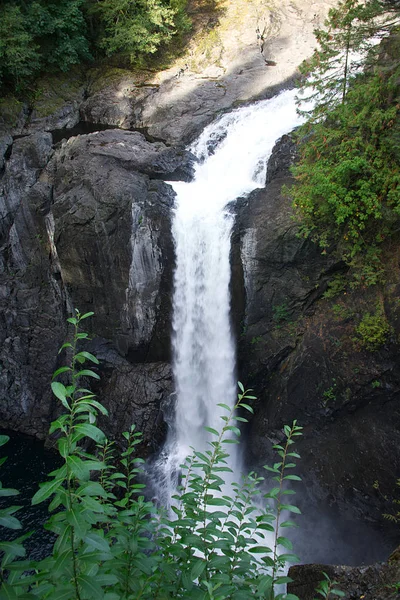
[379,581]
[301,354]
[88,225]
[31,301]
[236,52]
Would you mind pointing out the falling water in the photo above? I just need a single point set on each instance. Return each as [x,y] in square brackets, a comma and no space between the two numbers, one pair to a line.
[233,153]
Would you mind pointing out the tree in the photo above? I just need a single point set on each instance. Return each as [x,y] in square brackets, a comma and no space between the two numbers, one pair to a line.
[351,32]
[347,190]
[137,28]
[40,35]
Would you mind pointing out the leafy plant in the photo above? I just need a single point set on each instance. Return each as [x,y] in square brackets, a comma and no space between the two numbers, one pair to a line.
[113,544]
[329,395]
[138,28]
[347,188]
[373,330]
[326,588]
[40,35]
[280,312]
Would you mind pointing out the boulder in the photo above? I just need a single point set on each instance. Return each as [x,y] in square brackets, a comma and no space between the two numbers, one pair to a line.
[379,581]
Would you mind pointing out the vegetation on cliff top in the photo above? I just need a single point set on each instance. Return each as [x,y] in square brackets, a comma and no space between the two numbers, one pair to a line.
[347,188]
[52,35]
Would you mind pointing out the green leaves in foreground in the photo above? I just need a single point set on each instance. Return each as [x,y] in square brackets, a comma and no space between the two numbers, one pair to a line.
[220,541]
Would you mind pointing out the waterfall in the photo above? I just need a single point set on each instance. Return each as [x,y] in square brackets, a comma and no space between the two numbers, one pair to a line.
[233,153]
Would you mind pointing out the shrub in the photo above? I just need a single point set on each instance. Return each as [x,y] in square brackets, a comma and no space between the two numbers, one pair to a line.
[113,544]
[373,330]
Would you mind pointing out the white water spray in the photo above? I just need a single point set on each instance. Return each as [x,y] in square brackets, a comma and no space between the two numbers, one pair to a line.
[203,346]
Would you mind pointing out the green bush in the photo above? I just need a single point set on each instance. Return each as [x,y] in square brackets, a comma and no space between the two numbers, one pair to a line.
[113,544]
[40,35]
[373,330]
[347,190]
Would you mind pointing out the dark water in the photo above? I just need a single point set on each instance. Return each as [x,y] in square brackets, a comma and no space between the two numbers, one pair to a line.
[27,465]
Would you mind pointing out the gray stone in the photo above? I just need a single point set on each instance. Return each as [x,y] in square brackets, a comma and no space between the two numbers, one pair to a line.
[375,582]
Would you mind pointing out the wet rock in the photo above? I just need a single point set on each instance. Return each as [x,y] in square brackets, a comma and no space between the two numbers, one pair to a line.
[113,236]
[5,147]
[86,226]
[300,353]
[375,582]
[31,305]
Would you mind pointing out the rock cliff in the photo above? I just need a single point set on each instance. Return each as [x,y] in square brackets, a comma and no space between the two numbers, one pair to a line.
[87,224]
[301,353]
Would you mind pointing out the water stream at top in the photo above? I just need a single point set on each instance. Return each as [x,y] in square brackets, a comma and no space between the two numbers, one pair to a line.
[233,154]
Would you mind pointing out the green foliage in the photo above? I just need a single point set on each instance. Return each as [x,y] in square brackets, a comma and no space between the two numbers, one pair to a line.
[137,28]
[394,515]
[337,285]
[329,395]
[113,544]
[53,35]
[347,188]
[326,589]
[343,43]
[280,312]
[44,34]
[373,330]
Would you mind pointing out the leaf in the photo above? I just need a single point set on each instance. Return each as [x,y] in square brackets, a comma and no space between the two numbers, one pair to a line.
[282,579]
[247,407]
[225,406]
[291,508]
[13,548]
[95,540]
[61,370]
[292,477]
[241,386]
[62,563]
[217,502]
[87,373]
[60,392]
[4,439]
[63,593]
[90,431]
[211,430]
[78,467]
[86,315]
[260,550]
[197,569]
[285,542]
[46,490]
[90,587]
[235,430]
[8,492]
[66,345]
[88,356]
[75,519]
[288,524]
[10,522]
[7,592]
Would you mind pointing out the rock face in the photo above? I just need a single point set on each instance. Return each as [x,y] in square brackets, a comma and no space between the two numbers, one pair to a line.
[88,225]
[300,353]
[375,582]
[237,51]
[31,300]
[112,233]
